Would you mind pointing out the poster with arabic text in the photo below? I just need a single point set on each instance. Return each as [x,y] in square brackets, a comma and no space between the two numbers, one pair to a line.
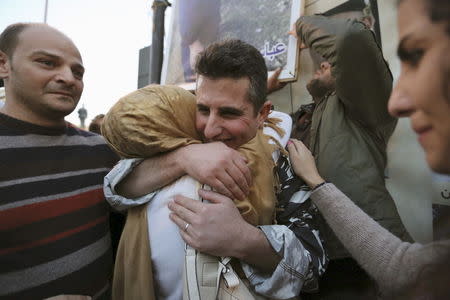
[262,23]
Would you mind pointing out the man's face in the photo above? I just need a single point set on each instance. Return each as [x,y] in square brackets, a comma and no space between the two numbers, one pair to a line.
[225,113]
[44,76]
[322,81]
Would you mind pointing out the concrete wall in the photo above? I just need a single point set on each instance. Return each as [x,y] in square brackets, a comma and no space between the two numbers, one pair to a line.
[410,180]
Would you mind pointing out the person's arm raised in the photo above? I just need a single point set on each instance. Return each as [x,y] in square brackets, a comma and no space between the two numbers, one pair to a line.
[214,164]
[363,78]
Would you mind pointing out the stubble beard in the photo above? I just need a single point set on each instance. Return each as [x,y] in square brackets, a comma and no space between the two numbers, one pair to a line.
[319,88]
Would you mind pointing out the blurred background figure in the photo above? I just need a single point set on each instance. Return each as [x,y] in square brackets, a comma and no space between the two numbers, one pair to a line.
[301,121]
[96,124]
[82,115]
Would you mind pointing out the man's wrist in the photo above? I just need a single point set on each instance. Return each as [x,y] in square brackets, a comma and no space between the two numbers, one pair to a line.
[256,250]
[180,157]
[248,238]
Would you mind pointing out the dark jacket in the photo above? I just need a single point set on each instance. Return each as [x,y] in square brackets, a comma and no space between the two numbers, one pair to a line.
[351,126]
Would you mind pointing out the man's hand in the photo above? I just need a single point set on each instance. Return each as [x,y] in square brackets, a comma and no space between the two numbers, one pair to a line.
[219,166]
[273,84]
[293,32]
[217,228]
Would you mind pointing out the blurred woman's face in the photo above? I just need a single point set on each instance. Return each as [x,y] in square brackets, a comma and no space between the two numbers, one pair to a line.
[422,92]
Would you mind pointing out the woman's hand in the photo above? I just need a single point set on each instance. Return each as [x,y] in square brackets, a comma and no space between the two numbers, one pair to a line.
[303,163]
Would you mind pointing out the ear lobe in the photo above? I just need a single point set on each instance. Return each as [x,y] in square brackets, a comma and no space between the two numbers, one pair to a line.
[4,65]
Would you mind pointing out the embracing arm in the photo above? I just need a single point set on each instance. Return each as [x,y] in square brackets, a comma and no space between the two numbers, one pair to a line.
[214,164]
[217,228]
[274,259]
[150,175]
[363,78]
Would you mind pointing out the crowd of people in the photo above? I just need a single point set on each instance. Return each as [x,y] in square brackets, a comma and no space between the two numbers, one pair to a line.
[299,205]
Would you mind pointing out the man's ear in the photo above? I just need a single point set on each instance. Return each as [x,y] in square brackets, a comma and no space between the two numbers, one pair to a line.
[4,65]
[264,112]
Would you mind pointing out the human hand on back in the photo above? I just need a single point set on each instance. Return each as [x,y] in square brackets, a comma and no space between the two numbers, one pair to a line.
[303,163]
[216,228]
[219,166]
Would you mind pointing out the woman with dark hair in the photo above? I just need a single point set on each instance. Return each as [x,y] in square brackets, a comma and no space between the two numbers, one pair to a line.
[422,93]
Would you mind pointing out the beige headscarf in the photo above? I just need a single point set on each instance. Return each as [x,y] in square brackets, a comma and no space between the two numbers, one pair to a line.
[158,119]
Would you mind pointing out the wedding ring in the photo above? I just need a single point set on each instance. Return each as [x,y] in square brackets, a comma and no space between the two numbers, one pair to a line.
[186,226]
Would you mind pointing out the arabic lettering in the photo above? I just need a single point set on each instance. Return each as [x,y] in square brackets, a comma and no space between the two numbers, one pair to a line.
[270,52]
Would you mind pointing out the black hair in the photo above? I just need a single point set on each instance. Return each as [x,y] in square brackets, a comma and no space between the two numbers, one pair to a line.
[10,36]
[236,59]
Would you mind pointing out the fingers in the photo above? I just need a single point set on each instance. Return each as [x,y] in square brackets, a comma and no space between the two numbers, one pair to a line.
[185,234]
[291,146]
[241,175]
[273,83]
[235,182]
[214,197]
[181,223]
[185,207]
[274,77]
[226,185]
[238,188]
[243,167]
[187,238]
[299,146]
[277,73]
[293,31]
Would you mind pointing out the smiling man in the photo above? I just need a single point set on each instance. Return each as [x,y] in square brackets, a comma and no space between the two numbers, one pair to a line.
[231,106]
[54,221]
[221,118]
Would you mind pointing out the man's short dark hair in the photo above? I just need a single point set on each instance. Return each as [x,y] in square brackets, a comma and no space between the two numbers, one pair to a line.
[236,59]
[10,37]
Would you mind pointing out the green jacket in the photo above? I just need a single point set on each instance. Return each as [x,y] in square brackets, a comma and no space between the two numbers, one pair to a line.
[350,127]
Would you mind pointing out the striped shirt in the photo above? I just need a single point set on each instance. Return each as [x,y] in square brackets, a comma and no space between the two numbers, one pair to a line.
[54,234]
